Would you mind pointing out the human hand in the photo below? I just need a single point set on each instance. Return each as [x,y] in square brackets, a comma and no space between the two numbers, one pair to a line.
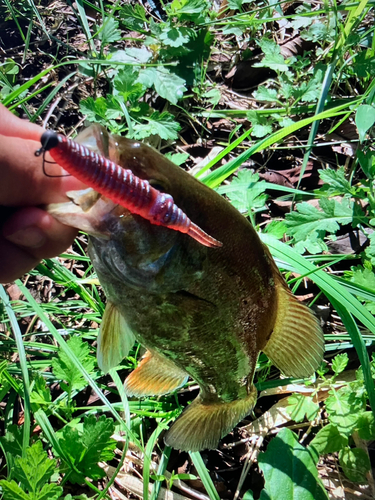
[27,233]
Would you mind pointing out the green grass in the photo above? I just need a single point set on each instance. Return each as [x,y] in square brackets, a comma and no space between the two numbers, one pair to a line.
[112,78]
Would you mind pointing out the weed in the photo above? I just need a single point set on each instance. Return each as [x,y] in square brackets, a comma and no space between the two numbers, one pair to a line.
[162,78]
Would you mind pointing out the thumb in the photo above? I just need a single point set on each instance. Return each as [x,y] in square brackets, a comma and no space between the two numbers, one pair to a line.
[28,236]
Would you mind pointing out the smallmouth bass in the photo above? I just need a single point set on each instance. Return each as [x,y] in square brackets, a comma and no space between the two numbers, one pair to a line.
[200,312]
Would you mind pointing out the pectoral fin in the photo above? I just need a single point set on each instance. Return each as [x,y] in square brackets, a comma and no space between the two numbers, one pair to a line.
[154,376]
[296,345]
[115,339]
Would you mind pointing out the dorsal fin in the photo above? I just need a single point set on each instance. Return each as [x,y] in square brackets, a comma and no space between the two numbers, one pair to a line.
[296,345]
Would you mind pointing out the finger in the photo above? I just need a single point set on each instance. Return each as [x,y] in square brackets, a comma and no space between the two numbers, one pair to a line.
[14,261]
[12,126]
[32,235]
[23,181]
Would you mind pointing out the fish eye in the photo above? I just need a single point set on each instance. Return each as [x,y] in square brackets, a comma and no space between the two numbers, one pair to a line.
[157,185]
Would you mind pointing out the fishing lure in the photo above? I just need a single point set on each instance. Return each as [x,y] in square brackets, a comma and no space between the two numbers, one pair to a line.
[121,186]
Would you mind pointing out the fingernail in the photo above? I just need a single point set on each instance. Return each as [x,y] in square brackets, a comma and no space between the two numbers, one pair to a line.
[31,237]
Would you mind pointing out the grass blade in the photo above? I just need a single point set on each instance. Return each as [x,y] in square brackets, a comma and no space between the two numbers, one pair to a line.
[204,475]
[39,311]
[360,347]
[335,292]
[23,363]
[147,460]
[216,177]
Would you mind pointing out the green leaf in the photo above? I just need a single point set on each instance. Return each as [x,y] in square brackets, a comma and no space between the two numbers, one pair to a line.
[237,4]
[344,408]
[300,406]
[276,228]
[109,32]
[176,36]
[94,109]
[73,450]
[300,22]
[185,477]
[366,425]
[336,180]
[34,470]
[87,447]
[101,110]
[49,492]
[310,91]
[249,192]
[189,10]
[167,84]
[370,250]
[64,368]
[161,124]
[96,436]
[40,395]
[147,77]
[177,158]
[318,31]
[309,223]
[11,491]
[272,56]
[133,17]
[132,55]
[9,67]
[158,477]
[364,277]
[290,468]
[230,29]
[329,439]
[261,125]
[355,463]
[125,84]
[363,65]
[213,96]
[265,94]
[364,119]
[248,495]
[340,362]
[12,440]
[367,162]
[260,130]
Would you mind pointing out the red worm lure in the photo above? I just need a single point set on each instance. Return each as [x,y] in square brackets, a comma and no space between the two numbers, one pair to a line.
[121,186]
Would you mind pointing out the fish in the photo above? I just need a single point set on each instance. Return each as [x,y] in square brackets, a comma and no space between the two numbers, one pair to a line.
[201,312]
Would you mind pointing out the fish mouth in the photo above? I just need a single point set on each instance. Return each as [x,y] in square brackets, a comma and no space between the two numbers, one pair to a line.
[95,138]
[88,210]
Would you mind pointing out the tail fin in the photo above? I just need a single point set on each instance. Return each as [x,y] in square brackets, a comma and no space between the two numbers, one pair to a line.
[202,425]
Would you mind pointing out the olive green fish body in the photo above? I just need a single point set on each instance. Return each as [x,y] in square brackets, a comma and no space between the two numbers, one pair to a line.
[199,322]
[203,312]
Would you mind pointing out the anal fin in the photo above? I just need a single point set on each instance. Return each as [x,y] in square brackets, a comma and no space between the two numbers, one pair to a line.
[154,376]
[115,338]
[202,424]
[296,345]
